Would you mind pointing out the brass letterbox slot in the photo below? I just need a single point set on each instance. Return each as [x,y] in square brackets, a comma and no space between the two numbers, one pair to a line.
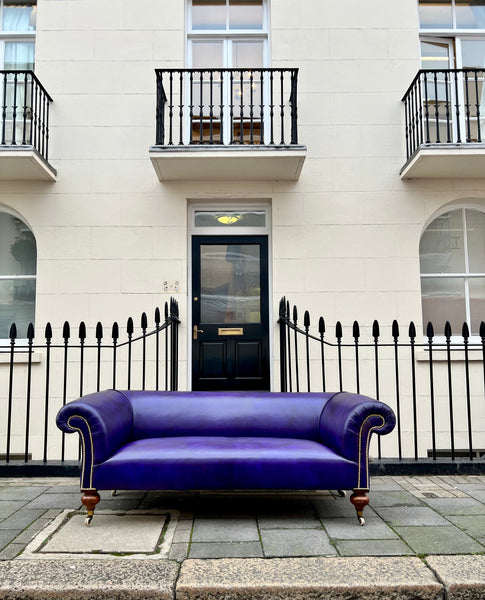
[230,331]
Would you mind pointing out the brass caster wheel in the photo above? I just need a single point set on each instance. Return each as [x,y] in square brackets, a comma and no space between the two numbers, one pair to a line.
[87,521]
[361,521]
[342,493]
[114,492]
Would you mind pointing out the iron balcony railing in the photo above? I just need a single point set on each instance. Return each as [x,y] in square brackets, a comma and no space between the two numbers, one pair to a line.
[25,111]
[227,106]
[40,377]
[445,107]
[435,387]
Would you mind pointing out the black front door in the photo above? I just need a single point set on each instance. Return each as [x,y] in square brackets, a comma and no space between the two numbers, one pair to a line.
[230,313]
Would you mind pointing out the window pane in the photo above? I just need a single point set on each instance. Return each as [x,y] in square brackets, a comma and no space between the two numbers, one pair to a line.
[441,248]
[17,247]
[19,16]
[207,55]
[477,303]
[435,14]
[475,228]
[230,283]
[252,218]
[470,14]
[17,304]
[245,14]
[443,300]
[473,53]
[208,14]
[247,54]
[19,55]
[435,55]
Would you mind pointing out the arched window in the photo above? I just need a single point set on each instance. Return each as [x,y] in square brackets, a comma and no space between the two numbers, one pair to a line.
[452,256]
[18,260]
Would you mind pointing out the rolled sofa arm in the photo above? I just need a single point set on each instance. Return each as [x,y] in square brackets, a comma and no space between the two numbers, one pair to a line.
[104,421]
[347,423]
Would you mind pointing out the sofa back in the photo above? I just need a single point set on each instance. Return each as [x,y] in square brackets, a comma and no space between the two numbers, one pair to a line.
[255,414]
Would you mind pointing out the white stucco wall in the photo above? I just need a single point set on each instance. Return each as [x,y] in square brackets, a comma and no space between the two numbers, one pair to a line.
[345,237]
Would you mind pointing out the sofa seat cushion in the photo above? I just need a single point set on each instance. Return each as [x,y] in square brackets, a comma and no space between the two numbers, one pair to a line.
[216,462]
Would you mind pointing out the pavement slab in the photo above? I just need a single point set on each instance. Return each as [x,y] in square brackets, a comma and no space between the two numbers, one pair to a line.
[349,529]
[87,579]
[296,542]
[107,534]
[439,540]
[462,576]
[313,578]
[224,530]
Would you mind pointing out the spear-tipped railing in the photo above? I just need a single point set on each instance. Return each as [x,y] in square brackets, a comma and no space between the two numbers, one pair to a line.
[435,387]
[43,376]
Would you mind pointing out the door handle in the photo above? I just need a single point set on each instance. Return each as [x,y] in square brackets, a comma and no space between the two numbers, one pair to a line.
[197,331]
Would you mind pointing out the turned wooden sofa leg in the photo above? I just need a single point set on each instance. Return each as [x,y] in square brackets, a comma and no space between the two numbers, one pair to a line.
[90,498]
[360,500]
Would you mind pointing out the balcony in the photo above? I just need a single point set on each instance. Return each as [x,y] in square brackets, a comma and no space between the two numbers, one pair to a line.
[24,128]
[445,124]
[227,124]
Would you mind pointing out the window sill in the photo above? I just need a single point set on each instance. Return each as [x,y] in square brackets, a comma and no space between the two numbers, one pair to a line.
[21,357]
[440,355]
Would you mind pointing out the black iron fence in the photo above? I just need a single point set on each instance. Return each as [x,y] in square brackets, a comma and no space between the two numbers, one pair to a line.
[436,386]
[38,378]
[445,107]
[227,106]
[25,111]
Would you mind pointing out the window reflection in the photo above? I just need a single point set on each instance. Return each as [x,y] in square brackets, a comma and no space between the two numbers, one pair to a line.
[230,283]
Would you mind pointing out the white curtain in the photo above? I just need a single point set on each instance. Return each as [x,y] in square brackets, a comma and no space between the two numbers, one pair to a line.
[19,55]
[19,18]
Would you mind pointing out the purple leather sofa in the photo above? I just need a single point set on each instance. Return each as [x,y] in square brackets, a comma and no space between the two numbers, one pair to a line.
[146,440]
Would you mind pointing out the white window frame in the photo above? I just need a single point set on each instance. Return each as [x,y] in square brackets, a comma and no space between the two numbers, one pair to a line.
[5,342]
[12,36]
[227,37]
[466,275]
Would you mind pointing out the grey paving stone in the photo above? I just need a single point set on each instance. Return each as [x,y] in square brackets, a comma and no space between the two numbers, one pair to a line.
[181,535]
[184,524]
[338,578]
[122,504]
[21,492]
[63,489]
[439,540]
[289,522]
[456,506]
[349,529]
[21,519]
[395,498]
[337,507]
[410,515]
[463,576]
[225,530]
[383,484]
[7,535]
[8,507]
[373,548]
[178,552]
[474,525]
[297,542]
[56,501]
[478,494]
[11,551]
[226,550]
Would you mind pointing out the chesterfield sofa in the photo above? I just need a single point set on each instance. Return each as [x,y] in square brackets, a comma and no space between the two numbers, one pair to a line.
[146,440]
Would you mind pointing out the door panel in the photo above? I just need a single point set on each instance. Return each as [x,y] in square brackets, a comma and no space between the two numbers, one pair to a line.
[230,341]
